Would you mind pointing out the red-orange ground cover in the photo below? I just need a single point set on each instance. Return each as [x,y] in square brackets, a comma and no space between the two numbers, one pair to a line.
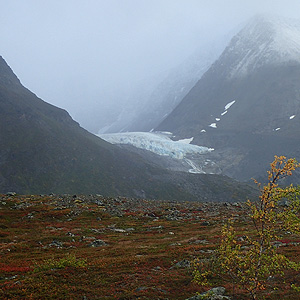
[43,240]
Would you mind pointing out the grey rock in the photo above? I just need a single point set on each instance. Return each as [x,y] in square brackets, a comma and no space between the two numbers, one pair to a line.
[129,229]
[97,243]
[197,242]
[284,203]
[56,244]
[277,244]
[141,288]
[183,264]
[216,293]
[11,194]
[205,223]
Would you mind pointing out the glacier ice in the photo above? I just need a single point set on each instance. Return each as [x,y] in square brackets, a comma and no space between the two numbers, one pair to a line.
[157,142]
[186,141]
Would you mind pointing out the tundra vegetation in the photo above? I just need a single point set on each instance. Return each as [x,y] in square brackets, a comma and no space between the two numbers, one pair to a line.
[95,247]
[250,257]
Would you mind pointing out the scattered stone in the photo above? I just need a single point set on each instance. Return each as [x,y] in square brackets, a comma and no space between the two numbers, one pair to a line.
[213,294]
[197,242]
[205,223]
[183,264]
[11,194]
[176,244]
[141,288]
[160,290]
[277,244]
[56,244]
[29,216]
[119,230]
[284,203]
[156,227]
[99,202]
[129,229]
[242,239]
[97,243]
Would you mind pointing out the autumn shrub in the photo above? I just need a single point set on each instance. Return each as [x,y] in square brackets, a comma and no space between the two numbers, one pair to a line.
[69,261]
[249,260]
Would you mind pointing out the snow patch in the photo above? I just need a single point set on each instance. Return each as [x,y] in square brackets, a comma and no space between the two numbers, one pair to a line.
[157,142]
[213,125]
[292,117]
[227,106]
[186,141]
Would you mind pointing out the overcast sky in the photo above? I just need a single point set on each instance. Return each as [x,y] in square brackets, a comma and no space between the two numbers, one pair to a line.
[82,54]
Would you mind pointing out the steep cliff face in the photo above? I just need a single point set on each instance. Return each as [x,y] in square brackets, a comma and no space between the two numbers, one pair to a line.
[247,105]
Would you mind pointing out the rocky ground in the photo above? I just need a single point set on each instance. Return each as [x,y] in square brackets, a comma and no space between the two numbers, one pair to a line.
[93,247]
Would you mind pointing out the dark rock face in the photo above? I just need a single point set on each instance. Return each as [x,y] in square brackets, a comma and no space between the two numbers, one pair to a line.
[247,105]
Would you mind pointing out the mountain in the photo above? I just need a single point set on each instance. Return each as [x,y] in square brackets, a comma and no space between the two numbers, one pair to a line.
[154,99]
[43,150]
[247,105]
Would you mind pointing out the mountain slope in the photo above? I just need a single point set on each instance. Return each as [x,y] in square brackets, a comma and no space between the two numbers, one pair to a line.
[149,105]
[43,150]
[247,105]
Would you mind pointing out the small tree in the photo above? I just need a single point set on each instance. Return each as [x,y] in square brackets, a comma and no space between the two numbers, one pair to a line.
[250,261]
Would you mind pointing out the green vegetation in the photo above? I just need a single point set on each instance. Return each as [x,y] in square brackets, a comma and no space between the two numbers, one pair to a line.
[69,261]
[250,259]
[94,247]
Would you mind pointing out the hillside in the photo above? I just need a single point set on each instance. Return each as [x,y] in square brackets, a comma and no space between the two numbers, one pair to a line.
[92,247]
[42,150]
[146,107]
[247,105]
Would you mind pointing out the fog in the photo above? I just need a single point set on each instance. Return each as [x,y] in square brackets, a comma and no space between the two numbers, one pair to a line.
[90,56]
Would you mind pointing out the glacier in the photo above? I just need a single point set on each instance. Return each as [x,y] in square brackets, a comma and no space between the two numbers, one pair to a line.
[157,142]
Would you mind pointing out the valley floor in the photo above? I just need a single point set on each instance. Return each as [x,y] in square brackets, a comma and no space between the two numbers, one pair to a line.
[91,247]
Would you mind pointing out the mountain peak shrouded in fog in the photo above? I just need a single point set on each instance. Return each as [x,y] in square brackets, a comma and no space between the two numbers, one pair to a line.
[246,106]
[264,40]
